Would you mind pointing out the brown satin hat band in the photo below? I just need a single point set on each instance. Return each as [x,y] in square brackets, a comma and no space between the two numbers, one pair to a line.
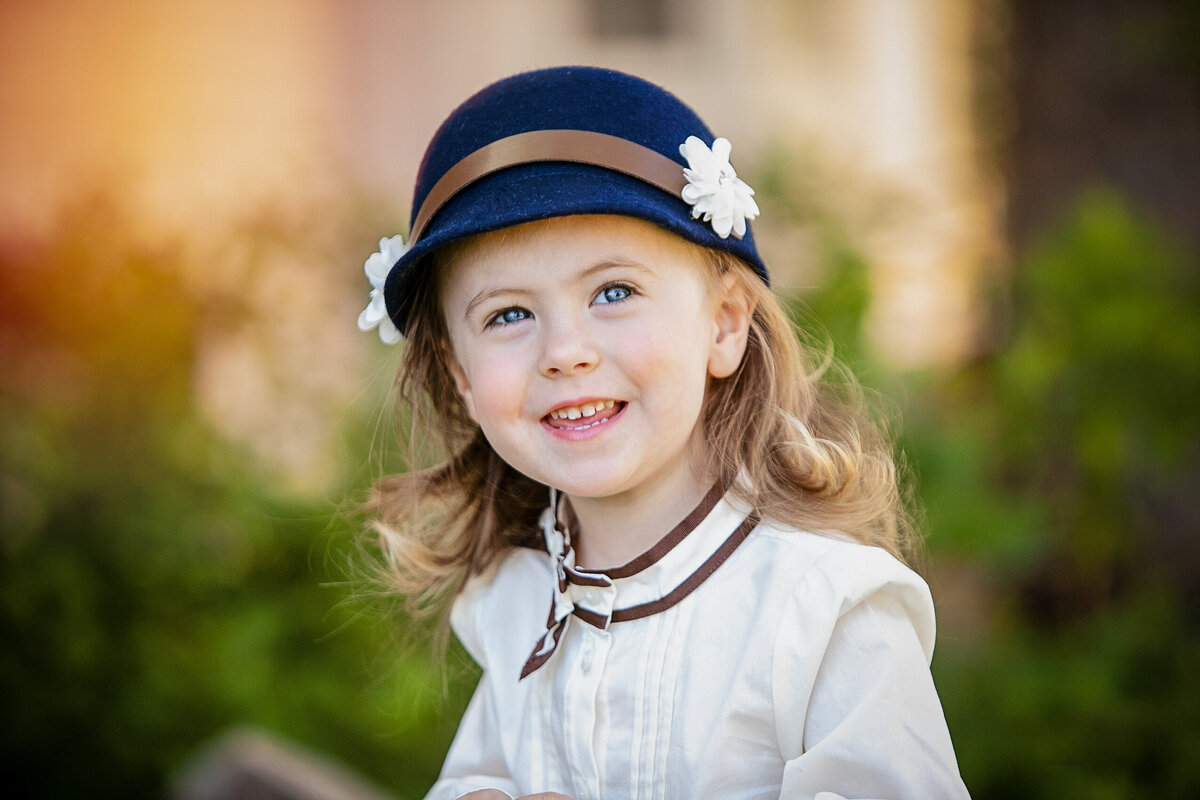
[583,147]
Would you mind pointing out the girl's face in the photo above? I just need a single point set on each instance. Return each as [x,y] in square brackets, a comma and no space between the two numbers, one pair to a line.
[582,347]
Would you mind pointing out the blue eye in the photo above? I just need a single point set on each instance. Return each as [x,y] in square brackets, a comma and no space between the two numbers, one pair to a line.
[613,294]
[508,316]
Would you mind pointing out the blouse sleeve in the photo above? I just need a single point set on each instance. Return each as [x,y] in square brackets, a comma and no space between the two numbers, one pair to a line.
[856,709]
[476,759]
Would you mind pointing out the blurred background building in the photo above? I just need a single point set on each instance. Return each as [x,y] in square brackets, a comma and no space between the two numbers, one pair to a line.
[198,114]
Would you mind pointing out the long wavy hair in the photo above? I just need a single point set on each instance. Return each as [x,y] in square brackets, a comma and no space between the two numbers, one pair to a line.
[790,435]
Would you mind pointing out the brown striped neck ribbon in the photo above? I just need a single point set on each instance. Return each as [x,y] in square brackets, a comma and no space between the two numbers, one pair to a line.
[591,596]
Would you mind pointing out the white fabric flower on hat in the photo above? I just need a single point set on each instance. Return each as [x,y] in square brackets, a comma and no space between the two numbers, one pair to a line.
[714,189]
[377,267]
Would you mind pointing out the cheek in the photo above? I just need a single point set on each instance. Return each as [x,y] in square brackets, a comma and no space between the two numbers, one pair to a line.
[672,356]
[495,390]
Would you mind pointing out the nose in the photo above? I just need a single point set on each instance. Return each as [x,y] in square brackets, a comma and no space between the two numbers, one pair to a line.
[567,349]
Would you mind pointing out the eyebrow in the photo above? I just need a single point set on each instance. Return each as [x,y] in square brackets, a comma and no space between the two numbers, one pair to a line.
[486,295]
[600,266]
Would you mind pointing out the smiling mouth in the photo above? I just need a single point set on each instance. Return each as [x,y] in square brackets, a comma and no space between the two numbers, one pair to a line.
[585,415]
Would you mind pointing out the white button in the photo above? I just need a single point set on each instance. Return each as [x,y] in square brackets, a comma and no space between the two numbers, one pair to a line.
[591,597]
[586,660]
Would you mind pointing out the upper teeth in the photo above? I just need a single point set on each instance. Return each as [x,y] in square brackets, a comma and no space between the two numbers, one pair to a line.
[585,410]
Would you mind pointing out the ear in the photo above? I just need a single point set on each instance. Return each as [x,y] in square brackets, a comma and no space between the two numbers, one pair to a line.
[461,383]
[731,327]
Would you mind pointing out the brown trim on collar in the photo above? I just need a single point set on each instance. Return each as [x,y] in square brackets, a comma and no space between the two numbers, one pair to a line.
[593,618]
[583,578]
[676,595]
[664,545]
[694,580]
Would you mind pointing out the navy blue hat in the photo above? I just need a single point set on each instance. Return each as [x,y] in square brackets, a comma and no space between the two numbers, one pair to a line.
[557,142]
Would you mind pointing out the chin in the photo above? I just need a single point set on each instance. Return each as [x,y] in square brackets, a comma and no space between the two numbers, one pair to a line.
[586,486]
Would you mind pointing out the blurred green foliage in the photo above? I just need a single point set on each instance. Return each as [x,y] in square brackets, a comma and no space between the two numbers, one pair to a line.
[1085,683]
[1058,472]
[157,588]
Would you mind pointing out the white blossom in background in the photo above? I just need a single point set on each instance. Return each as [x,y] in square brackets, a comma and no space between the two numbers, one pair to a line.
[714,189]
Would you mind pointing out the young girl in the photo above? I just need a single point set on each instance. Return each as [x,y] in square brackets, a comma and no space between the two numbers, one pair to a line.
[671,546]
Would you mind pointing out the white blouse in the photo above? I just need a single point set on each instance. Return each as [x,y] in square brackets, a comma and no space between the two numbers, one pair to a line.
[735,659]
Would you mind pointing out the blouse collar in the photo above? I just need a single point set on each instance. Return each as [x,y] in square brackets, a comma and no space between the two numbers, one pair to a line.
[649,584]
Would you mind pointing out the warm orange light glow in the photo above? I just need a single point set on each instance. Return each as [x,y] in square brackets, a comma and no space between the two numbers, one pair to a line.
[182,108]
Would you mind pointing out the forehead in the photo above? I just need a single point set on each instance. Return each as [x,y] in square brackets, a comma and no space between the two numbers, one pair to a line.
[584,239]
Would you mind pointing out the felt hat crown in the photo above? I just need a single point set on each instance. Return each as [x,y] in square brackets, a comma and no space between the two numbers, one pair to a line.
[558,142]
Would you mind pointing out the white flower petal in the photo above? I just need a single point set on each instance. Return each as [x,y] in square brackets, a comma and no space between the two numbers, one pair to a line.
[692,148]
[379,264]
[392,248]
[723,224]
[367,319]
[748,206]
[721,149]
[388,333]
[693,193]
[377,268]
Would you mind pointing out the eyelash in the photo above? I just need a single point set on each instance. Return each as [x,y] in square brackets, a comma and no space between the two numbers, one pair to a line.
[497,320]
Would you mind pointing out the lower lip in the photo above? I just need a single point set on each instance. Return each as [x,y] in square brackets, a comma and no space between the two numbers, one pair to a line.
[585,432]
